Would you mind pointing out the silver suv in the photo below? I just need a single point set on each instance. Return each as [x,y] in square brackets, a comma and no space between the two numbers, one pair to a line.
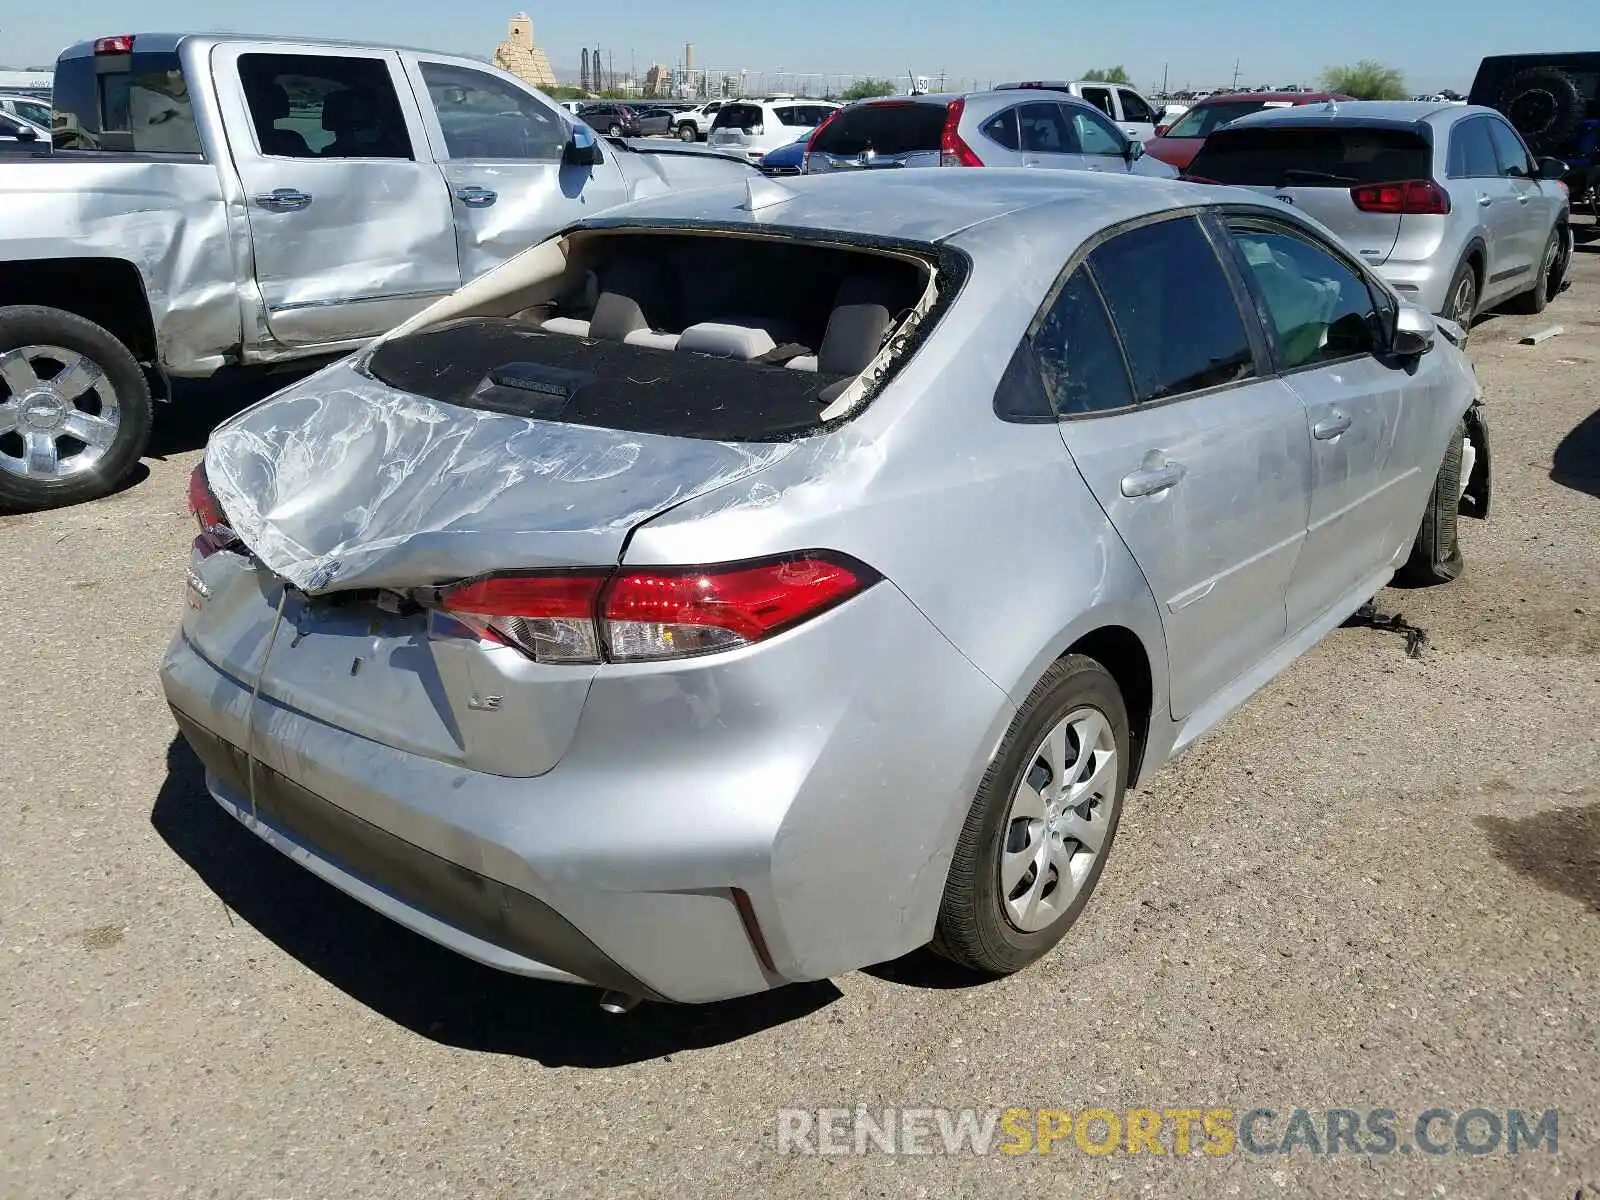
[1444,201]
[1002,128]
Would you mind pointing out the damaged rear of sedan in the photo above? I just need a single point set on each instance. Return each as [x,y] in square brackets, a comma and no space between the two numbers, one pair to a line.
[755,584]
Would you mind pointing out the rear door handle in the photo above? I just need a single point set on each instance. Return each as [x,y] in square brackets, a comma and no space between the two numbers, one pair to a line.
[284,200]
[1485,201]
[1147,481]
[1331,426]
[476,197]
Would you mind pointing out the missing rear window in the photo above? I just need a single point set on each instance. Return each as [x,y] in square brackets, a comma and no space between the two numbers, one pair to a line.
[1317,157]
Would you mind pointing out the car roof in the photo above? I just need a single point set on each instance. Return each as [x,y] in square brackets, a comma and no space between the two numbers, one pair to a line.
[1390,113]
[1297,97]
[1054,210]
[1009,95]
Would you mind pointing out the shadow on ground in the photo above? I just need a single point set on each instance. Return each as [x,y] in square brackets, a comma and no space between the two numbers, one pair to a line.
[430,990]
[198,406]
[1576,462]
[1558,848]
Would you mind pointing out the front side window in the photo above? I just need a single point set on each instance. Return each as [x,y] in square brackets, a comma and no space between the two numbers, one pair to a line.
[1077,352]
[323,106]
[1318,307]
[484,117]
[1173,308]
[1094,135]
[1044,130]
[1200,120]
[1510,154]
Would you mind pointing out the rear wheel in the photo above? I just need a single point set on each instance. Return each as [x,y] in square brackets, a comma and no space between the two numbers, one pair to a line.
[1551,270]
[1436,554]
[1039,830]
[75,409]
[614,130]
[686,132]
[1461,301]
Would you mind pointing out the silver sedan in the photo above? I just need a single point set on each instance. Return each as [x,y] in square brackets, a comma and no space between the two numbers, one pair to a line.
[625,619]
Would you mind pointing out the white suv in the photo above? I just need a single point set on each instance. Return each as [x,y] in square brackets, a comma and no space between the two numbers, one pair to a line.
[754,128]
[1134,115]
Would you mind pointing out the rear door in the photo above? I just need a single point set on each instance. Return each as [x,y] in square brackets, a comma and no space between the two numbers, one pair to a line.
[1135,118]
[1320,314]
[1316,167]
[1046,137]
[500,149]
[350,224]
[1199,459]
[1475,179]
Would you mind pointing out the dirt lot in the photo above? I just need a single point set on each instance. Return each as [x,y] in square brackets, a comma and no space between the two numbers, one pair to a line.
[1378,886]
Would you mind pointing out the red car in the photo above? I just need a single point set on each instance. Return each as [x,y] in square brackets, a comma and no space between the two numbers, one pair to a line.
[1178,143]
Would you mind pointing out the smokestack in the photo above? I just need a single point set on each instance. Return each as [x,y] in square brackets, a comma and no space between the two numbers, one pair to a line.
[688,56]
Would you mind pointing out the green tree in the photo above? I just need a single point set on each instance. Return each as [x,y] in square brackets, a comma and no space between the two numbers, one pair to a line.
[1366,80]
[866,88]
[1114,74]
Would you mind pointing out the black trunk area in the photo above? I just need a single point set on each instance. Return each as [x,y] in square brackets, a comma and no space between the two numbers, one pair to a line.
[501,365]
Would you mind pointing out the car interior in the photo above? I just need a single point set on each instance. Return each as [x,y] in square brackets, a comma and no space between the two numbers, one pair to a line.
[672,328]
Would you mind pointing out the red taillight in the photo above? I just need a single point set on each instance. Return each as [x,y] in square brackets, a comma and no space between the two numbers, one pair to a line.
[953,152]
[121,44]
[550,618]
[648,615]
[208,514]
[1161,130]
[805,159]
[1411,197]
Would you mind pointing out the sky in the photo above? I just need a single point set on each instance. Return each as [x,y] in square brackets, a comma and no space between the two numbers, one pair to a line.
[1436,43]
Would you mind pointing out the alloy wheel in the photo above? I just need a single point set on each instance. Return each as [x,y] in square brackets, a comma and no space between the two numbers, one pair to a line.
[1464,301]
[58,412]
[1059,820]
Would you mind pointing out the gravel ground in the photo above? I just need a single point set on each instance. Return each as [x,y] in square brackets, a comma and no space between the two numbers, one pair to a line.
[1377,886]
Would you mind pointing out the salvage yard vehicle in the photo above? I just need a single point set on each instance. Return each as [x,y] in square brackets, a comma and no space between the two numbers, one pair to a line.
[1554,102]
[1177,144]
[755,128]
[623,619]
[1012,128]
[1444,201]
[308,196]
[1134,115]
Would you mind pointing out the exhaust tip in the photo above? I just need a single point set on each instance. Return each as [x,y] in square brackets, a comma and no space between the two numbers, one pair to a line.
[617,1003]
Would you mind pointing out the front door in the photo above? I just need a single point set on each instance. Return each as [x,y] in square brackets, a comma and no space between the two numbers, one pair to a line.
[500,147]
[1325,330]
[1103,148]
[1200,463]
[1529,209]
[349,220]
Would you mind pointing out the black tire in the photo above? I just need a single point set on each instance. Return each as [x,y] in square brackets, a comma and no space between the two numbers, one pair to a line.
[1545,105]
[1436,554]
[1537,298]
[1461,300]
[128,400]
[687,132]
[974,929]
[613,130]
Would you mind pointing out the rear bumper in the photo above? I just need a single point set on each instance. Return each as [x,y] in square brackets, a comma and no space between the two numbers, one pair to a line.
[708,833]
[1426,283]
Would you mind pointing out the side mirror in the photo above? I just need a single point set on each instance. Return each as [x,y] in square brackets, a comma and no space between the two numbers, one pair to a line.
[26,133]
[582,149]
[1551,168]
[1133,151]
[1414,332]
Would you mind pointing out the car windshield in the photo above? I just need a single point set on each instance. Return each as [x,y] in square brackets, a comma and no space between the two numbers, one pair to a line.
[1266,156]
[1198,122]
[894,128]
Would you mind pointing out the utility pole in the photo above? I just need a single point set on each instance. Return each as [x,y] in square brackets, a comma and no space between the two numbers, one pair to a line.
[1236,74]
[1164,78]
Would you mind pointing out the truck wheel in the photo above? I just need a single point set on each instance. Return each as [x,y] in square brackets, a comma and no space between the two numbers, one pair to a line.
[686,132]
[1039,830]
[74,409]
[1436,554]
[1546,106]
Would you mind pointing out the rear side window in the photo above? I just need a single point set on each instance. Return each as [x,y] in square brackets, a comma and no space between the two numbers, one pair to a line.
[1174,309]
[1324,156]
[1077,352]
[1472,151]
[1045,129]
[738,116]
[135,102]
[1134,108]
[1101,98]
[323,106]
[883,129]
[1002,129]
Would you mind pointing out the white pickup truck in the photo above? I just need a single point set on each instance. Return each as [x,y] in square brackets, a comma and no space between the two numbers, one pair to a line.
[220,201]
